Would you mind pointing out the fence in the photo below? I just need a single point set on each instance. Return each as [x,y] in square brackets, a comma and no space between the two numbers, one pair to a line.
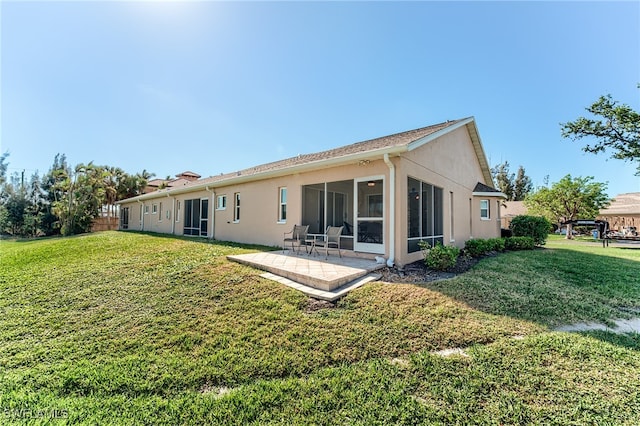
[104,224]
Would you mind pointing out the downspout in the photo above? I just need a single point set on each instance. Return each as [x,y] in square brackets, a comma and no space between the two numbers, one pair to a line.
[142,215]
[392,210]
[213,211]
[171,218]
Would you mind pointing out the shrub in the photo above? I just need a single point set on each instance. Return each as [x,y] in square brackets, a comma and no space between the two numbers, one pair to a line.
[536,227]
[519,243]
[441,257]
[495,244]
[476,247]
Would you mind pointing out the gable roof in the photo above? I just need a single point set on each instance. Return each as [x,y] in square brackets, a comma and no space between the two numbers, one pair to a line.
[482,190]
[623,204]
[392,145]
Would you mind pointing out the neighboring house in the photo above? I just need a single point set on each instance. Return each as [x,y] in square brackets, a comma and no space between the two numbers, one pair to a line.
[182,179]
[431,184]
[511,209]
[624,212]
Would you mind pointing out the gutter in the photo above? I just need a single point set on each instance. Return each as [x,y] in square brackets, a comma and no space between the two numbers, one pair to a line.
[142,214]
[392,210]
[173,219]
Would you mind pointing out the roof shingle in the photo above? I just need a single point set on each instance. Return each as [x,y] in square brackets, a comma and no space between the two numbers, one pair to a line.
[395,140]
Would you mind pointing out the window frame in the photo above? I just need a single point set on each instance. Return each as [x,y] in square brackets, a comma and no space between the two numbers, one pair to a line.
[154,208]
[282,204]
[236,207]
[221,202]
[429,210]
[483,209]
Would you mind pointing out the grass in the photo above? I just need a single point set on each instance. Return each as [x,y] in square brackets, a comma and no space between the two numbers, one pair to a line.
[126,328]
[558,284]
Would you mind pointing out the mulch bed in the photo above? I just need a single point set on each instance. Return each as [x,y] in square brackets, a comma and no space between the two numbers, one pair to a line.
[418,272]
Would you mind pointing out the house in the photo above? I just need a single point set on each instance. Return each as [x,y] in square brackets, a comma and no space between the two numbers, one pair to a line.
[181,179]
[511,209]
[623,212]
[389,193]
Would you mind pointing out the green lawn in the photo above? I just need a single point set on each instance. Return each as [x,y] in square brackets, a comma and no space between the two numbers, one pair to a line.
[127,328]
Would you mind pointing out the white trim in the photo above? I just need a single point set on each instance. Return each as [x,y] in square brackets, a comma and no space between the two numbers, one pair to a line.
[281,203]
[392,210]
[426,139]
[488,209]
[236,207]
[218,198]
[489,194]
[369,247]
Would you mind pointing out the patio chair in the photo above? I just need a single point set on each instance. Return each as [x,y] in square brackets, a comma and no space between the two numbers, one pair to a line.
[298,237]
[331,240]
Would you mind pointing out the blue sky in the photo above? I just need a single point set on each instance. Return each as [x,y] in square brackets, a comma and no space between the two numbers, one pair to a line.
[215,87]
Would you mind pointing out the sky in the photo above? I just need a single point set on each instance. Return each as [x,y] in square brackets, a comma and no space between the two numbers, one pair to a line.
[215,87]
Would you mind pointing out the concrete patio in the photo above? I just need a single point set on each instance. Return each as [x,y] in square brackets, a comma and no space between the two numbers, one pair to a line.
[326,279]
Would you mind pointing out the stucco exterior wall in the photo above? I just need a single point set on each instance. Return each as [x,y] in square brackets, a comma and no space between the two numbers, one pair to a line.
[259,203]
[448,162]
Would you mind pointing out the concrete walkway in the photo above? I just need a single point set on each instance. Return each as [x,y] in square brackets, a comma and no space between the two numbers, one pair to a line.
[327,279]
[621,326]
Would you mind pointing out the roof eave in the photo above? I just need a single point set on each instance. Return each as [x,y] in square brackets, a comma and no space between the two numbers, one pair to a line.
[489,194]
[435,135]
[313,165]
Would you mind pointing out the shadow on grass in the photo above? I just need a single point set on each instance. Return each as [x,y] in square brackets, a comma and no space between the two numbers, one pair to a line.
[553,286]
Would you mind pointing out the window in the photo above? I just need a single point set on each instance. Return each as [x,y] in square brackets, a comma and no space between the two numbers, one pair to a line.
[154,209]
[141,214]
[282,205]
[484,209]
[425,213]
[236,207]
[160,212]
[221,203]
[146,209]
[177,215]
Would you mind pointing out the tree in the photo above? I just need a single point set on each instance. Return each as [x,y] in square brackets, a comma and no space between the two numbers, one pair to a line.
[3,168]
[569,199]
[66,200]
[132,185]
[503,179]
[82,196]
[616,128]
[522,186]
[515,187]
